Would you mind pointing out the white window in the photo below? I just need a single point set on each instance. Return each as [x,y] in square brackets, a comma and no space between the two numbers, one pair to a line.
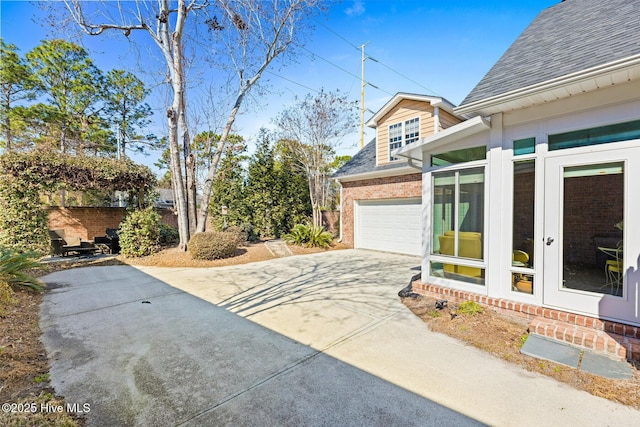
[411,131]
[403,133]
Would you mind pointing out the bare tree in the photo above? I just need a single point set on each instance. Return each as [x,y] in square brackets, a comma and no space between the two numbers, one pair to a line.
[246,35]
[262,31]
[312,129]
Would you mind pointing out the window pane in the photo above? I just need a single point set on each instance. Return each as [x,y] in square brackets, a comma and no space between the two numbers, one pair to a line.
[395,138]
[524,146]
[522,283]
[471,213]
[471,275]
[411,131]
[524,174]
[594,136]
[593,218]
[459,156]
[458,223]
[443,206]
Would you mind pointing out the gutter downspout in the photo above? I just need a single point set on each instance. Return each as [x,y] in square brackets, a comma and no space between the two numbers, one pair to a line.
[436,120]
[410,163]
[341,210]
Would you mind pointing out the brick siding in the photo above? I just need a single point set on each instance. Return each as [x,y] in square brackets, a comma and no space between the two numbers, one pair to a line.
[89,222]
[395,187]
[592,205]
[614,339]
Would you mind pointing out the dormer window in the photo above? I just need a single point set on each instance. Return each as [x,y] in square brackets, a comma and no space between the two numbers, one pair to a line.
[403,133]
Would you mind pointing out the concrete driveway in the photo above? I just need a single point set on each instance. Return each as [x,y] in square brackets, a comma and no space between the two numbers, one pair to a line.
[306,340]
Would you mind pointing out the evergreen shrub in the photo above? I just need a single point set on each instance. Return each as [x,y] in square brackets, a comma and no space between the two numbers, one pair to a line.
[309,236]
[168,235]
[140,233]
[212,245]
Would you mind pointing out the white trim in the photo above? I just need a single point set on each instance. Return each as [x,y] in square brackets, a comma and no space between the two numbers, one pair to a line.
[403,136]
[629,66]
[435,101]
[395,236]
[447,136]
[397,171]
[341,210]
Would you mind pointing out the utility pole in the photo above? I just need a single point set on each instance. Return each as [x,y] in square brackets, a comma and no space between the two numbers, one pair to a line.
[362,99]
[363,83]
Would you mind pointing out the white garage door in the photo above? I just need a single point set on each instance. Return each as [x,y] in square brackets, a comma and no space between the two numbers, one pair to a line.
[389,225]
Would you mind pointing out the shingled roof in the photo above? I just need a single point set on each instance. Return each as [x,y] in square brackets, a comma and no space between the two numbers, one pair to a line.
[364,161]
[569,37]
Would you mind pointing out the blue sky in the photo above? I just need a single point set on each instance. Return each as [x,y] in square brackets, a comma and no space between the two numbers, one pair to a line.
[428,47]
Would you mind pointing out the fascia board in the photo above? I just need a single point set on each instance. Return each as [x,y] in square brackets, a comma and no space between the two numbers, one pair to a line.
[399,171]
[435,101]
[447,136]
[550,85]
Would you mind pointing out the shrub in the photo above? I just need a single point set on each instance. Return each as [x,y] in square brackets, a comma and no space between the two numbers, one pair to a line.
[239,232]
[140,233]
[13,269]
[299,235]
[213,245]
[13,273]
[248,228]
[470,308]
[168,235]
[309,236]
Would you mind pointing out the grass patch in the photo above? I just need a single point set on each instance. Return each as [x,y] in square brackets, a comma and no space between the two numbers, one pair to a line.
[42,378]
[469,308]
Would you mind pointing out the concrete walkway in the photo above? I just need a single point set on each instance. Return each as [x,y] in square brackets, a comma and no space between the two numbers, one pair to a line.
[303,340]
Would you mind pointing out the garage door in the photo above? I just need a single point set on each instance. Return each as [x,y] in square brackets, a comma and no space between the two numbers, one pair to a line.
[389,225]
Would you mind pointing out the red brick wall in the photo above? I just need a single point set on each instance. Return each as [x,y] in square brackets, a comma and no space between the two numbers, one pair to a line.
[331,221]
[87,223]
[592,205]
[395,187]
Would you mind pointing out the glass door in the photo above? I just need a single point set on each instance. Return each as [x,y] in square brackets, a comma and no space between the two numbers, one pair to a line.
[584,242]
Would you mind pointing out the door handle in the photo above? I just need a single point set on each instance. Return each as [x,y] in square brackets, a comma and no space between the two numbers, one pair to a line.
[549,241]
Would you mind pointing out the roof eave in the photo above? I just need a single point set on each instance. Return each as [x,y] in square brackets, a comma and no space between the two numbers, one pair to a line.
[436,101]
[454,133]
[549,88]
[399,171]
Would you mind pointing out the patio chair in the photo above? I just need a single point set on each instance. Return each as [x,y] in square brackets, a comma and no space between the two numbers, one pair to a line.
[63,245]
[614,268]
[110,242]
[520,257]
[469,246]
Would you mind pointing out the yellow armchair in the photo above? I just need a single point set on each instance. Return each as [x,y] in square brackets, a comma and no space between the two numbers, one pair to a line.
[469,246]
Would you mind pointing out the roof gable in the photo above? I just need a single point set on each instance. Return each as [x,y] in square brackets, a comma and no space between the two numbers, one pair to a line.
[569,37]
[434,101]
[364,163]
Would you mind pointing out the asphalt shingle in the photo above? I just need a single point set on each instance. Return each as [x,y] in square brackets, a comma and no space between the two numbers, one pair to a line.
[569,37]
[365,161]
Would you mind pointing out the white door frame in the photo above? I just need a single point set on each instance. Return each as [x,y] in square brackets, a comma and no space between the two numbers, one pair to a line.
[624,308]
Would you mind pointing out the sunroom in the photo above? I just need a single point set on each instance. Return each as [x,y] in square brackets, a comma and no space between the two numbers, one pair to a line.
[536,211]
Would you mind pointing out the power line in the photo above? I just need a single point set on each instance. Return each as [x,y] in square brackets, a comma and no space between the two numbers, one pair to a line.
[294,82]
[343,69]
[337,35]
[411,80]
[376,60]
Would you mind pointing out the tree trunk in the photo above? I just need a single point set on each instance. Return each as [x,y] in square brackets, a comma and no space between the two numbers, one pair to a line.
[189,166]
[7,124]
[213,167]
[171,46]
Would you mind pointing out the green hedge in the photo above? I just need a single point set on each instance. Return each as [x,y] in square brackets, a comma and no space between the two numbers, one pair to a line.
[215,244]
[140,233]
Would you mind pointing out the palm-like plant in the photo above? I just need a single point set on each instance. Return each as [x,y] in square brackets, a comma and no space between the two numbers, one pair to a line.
[308,235]
[14,266]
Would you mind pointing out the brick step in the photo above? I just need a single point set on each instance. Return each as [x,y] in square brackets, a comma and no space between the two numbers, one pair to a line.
[614,345]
